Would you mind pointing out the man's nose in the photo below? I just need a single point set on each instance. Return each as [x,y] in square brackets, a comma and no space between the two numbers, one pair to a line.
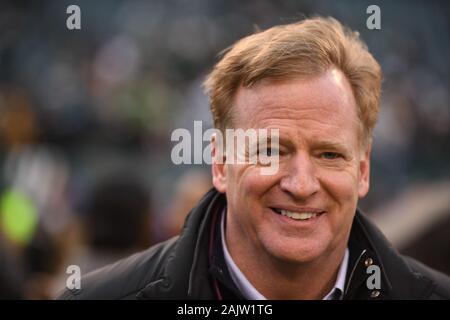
[300,178]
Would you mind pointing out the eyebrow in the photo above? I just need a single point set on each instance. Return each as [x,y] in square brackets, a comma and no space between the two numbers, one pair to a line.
[318,144]
[325,144]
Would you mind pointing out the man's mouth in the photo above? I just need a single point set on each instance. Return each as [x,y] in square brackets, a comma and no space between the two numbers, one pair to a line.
[295,215]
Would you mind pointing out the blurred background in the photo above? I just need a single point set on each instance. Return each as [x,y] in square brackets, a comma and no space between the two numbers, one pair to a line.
[86,118]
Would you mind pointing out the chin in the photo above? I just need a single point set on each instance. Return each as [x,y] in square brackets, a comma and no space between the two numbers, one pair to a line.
[296,250]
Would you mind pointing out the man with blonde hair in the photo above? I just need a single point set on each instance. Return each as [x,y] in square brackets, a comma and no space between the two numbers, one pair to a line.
[296,233]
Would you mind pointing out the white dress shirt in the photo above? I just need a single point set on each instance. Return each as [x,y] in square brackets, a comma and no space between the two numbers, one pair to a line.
[249,291]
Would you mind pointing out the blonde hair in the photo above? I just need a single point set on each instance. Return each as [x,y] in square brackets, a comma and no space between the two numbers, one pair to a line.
[306,48]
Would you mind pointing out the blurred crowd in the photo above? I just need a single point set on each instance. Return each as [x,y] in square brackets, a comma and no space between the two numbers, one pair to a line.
[86,118]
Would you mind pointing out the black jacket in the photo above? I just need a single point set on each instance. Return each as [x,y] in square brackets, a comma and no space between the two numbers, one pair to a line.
[191,266]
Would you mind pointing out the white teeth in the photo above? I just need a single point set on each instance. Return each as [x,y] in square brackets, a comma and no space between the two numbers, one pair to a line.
[297,215]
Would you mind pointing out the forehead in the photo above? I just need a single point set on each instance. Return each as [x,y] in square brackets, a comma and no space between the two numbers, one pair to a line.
[321,105]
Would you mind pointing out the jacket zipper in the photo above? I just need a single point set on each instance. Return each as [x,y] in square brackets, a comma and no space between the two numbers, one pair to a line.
[353,271]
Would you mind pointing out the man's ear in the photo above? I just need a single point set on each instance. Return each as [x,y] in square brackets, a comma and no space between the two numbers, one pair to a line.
[364,172]
[218,166]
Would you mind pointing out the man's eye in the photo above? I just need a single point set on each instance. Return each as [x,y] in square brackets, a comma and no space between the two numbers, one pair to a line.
[330,155]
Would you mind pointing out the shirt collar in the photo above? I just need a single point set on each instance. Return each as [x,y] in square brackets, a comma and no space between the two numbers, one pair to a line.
[250,292]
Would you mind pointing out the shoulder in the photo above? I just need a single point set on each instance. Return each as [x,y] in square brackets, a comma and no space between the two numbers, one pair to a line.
[125,278]
[441,282]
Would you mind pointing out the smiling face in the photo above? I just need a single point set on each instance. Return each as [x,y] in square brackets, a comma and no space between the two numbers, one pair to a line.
[304,211]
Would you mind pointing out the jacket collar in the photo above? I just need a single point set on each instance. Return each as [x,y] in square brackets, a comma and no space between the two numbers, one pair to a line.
[368,246]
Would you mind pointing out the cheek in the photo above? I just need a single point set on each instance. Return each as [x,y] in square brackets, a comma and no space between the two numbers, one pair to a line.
[342,186]
[248,180]
[246,187]
[245,196]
